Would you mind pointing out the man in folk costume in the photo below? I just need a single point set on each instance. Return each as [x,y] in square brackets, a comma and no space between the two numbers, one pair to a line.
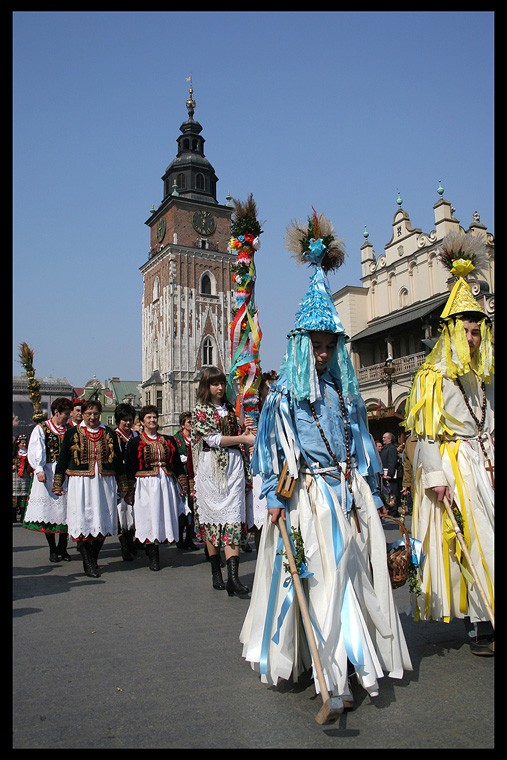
[76,415]
[315,421]
[450,408]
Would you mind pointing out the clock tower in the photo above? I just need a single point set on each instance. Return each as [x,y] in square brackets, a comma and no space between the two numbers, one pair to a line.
[187,287]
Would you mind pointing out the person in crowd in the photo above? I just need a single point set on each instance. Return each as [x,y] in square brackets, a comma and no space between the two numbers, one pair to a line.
[22,473]
[389,457]
[186,528]
[137,427]
[222,476]
[319,468]
[451,410]
[124,414]
[157,485]
[76,415]
[46,512]
[90,463]
[255,503]
[408,475]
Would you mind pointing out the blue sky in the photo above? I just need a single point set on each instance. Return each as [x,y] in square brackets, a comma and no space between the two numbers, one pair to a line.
[336,110]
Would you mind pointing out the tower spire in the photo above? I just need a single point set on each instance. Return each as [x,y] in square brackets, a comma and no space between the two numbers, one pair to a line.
[190,100]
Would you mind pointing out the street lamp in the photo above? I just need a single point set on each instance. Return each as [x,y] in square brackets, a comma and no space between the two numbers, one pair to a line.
[387,378]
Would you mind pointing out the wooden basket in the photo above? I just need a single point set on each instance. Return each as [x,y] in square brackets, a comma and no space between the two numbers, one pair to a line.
[399,559]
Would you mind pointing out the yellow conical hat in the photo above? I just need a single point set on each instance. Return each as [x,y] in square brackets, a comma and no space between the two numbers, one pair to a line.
[461,300]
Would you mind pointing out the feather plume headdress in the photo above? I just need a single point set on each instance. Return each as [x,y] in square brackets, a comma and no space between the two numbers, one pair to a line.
[300,240]
[463,253]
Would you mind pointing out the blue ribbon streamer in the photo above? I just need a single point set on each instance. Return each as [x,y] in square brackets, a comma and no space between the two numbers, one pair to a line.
[289,584]
[270,612]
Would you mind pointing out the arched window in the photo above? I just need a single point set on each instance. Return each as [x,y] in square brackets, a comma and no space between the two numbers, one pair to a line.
[180,181]
[206,285]
[199,182]
[207,352]
[156,289]
[403,298]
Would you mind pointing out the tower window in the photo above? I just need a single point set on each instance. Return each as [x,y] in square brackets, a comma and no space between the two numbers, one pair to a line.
[156,289]
[181,181]
[199,182]
[207,352]
[206,285]
[159,402]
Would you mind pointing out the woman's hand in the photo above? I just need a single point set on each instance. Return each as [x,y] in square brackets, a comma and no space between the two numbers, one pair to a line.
[248,439]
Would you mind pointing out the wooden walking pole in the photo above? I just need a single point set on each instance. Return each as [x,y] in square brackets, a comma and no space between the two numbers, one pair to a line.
[464,548]
[332,707]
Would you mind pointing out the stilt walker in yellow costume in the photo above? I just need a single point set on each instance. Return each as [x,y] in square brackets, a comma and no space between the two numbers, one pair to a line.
[450,408]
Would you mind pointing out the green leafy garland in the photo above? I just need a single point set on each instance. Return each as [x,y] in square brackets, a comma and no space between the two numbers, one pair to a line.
[299,554]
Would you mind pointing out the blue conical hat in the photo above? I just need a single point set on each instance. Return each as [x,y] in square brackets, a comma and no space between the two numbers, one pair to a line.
[317,310]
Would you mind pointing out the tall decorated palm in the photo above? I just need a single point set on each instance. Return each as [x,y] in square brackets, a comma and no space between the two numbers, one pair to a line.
[245,332]
[26,357]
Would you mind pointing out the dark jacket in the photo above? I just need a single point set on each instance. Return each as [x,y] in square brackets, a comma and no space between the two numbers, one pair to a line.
[389,456]
[77,456]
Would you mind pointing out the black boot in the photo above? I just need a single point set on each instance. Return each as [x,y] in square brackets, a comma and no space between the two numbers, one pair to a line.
[125,552]
[207,557]
[182,521]
[61,548]
[131,544]
[53,553]
[96,547]
[153,554]
[234,585]
[189,538]
[216,573]
[88,564]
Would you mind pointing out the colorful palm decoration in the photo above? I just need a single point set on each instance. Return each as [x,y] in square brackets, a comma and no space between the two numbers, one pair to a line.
[245,331]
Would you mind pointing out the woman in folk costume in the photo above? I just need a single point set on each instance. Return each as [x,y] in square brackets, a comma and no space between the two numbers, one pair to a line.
[158,485]
[46,512]
[222,477]
[90,464]
[450,408]
[315,421]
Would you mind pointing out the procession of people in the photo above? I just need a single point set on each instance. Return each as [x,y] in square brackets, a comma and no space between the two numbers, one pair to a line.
[318,473]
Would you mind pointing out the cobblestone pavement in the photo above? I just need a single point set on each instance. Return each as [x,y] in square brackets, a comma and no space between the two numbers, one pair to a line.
[144,660]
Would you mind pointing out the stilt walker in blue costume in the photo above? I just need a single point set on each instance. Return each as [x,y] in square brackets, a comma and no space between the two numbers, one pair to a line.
[314,424]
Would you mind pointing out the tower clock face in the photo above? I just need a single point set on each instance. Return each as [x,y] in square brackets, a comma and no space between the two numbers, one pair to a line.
[161,230]
[204,222]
